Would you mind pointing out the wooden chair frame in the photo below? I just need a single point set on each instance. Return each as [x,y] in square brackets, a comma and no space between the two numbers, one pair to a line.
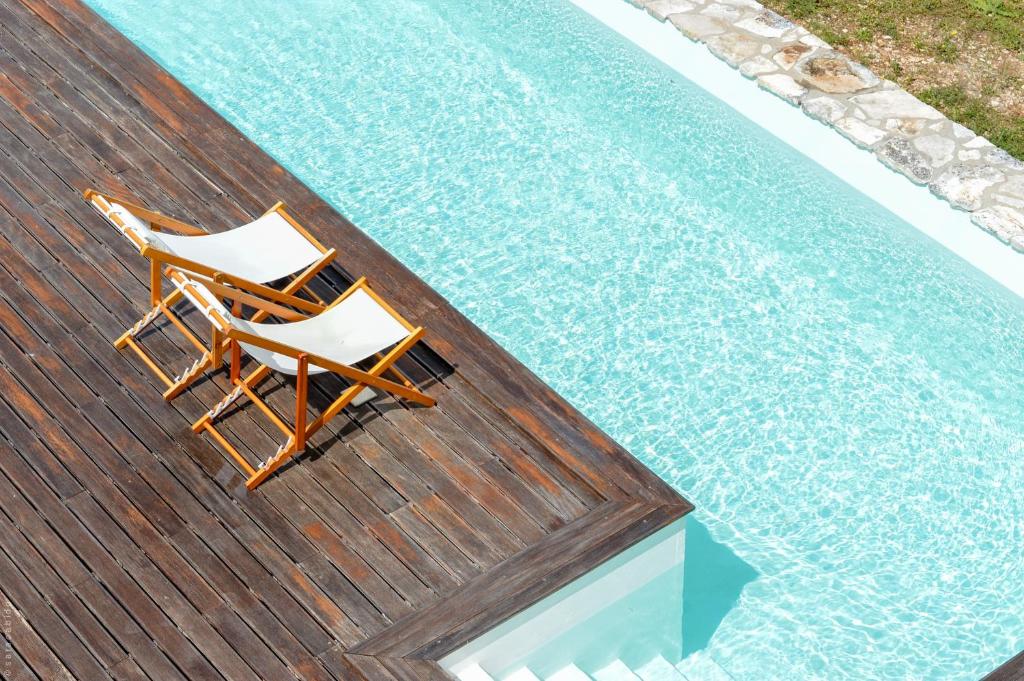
[298,433]
[161,305]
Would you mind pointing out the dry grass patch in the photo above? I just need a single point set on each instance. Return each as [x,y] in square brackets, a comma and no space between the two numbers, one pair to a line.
[965,57]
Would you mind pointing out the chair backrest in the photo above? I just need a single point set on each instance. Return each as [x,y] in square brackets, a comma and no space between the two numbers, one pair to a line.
[264,250]
[130,225]
[269,248]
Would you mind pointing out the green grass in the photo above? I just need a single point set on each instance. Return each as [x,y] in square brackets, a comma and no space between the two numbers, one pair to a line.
[1002,130]
[1003,20]
[947,50]
[946,31]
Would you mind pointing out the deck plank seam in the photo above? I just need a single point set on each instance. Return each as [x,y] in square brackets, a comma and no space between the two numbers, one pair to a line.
[49,145]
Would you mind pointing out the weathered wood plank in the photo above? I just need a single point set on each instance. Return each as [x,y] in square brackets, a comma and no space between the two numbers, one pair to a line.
[401,533]
[16,668]
[63,642]
[130,601]
[563,552]
[1012,670]
[128,670]
[64,600]
[355,667]
[98,379]
[28,646]
[433,541]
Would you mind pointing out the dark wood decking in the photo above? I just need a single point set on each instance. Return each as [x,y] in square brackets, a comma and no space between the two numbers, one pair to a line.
[128,546]
[1013,670]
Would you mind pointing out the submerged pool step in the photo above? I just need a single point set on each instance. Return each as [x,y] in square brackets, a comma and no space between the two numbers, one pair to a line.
[659,669]
[570,673]
[694,668]
[616,671]
[702,667]
[474,673]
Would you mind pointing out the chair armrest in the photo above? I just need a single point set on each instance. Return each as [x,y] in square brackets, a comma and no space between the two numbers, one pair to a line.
[156,220]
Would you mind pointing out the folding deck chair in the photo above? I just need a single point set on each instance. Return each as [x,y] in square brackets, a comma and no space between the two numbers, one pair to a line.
[357,326]
[269,249]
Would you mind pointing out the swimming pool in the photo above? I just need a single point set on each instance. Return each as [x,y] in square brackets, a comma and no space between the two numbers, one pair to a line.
[838,395]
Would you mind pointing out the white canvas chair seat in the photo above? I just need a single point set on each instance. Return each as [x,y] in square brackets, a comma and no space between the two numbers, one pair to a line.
[348,332]
[264,250]
[357,326]
[353,330]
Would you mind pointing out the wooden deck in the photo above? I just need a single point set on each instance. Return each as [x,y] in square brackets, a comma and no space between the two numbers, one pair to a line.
[128,547]
[1013,670]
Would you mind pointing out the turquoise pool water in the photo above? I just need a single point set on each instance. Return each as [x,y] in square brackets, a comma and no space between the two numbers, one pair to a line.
[839,396]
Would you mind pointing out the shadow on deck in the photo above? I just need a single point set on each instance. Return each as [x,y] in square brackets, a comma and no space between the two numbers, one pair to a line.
[128,546]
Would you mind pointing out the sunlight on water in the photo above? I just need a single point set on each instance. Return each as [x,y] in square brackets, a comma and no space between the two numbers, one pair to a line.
[839,397]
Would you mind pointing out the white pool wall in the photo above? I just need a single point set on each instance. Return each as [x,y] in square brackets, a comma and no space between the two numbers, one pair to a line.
[562,617]
[857,167]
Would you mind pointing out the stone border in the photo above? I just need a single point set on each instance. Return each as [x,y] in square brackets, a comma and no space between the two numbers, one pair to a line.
[903,132]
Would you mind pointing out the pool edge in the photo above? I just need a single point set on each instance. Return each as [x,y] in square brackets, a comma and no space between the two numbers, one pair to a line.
[786,115]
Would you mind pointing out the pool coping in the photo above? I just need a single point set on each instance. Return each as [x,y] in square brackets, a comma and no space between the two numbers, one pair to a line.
[954,163]
[1012,670]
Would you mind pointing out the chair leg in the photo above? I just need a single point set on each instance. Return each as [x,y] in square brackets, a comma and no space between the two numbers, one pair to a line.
[155,283]
[250,381]
[296,441]
[285,452]
[222,441]
[217,346]
[137,328]
[292,446]
[127,339]
[301,393]
[176,385]
[236,360]
[187,377]
[161,306]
